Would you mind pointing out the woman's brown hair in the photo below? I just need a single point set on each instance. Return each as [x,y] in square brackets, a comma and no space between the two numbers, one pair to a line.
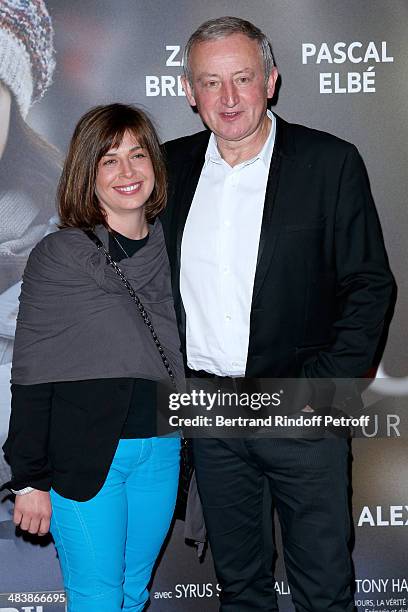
[99,130]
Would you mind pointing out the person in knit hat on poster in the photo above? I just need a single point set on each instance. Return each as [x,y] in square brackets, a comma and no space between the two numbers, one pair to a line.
[29,170]
[28,166]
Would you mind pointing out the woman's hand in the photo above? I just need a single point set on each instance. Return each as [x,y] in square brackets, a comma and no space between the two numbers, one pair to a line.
[32,512]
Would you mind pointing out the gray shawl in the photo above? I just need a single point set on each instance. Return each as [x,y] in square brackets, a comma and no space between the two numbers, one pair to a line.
[77,321]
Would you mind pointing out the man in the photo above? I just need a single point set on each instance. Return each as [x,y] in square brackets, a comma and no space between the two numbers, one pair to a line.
[279,270]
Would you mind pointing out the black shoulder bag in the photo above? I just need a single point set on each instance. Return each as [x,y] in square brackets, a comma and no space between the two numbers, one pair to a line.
[186,460]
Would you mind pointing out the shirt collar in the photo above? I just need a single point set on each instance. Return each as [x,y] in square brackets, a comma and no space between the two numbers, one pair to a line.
[212,153]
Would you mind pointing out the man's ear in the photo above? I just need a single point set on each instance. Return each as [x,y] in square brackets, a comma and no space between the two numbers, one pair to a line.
[188,90]
[270,87]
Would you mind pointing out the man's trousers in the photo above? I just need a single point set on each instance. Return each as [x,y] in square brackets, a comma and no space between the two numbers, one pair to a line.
[308,483]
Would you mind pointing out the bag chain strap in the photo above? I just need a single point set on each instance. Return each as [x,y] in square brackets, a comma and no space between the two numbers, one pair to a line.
[137,301]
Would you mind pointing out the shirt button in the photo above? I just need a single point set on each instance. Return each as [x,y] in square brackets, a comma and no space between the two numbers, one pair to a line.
[227,223]
[228,317]
[225,270]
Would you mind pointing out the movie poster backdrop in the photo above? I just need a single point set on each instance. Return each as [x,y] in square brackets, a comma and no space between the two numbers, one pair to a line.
[343,68]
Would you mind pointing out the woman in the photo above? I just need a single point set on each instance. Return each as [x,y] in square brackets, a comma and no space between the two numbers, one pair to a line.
[83,392]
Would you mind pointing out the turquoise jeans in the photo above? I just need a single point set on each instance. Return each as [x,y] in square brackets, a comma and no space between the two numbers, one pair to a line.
[107,546]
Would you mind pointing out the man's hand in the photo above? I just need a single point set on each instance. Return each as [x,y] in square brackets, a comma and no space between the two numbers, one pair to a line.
[32,512]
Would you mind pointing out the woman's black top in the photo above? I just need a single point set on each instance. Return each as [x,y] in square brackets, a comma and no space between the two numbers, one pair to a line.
[141,417]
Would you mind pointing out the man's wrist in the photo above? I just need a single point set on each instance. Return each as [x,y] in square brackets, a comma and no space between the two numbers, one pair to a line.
[22,491]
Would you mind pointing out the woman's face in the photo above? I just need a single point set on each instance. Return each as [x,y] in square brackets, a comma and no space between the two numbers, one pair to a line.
[125,178]
[5,104]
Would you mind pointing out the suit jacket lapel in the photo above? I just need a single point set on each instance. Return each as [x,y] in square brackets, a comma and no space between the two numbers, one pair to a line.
[271,213]
[185,195]
[189,187]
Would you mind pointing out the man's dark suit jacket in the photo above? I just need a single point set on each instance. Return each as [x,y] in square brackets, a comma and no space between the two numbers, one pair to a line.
[322,284]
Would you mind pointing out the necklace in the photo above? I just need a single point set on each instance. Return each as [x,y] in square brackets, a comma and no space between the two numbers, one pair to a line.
[120,246]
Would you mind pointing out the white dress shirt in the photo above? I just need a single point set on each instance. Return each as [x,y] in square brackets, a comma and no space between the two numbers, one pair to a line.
[218,258]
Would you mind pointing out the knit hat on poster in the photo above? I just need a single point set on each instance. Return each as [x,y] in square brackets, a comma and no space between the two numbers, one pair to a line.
[26,50]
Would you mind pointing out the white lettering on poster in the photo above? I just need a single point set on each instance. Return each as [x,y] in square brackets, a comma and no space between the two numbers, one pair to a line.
[204,590]
[387,425]
[372,585]
[356,52]
[24,609]
[164,85]
[171,60]
[379,516]
[167,85]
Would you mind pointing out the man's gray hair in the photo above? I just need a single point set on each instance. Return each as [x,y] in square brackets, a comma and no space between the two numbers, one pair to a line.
[216,29]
